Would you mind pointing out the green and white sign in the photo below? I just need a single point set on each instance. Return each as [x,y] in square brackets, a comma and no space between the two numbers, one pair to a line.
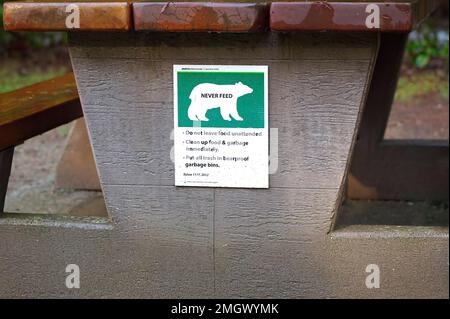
[221,126]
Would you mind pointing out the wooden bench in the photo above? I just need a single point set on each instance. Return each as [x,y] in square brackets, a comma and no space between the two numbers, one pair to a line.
[31,111]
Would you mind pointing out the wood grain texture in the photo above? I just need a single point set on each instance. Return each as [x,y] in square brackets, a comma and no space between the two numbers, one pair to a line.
[33,16]
[6,157]
[266,242]
[37,108]
[200,16]
[325,16]
[400,16]
[311,154]
[159,47]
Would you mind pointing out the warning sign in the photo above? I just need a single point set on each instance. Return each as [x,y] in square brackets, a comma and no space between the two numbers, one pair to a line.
[221,126]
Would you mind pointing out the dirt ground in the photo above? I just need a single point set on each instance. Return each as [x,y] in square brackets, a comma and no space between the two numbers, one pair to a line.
[31,188]
[423,118]
[420,109]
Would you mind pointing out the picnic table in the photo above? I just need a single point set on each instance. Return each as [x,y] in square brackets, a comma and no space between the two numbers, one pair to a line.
[328,62]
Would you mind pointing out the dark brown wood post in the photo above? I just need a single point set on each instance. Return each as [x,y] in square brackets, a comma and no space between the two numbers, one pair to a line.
[6,157]
[394,169]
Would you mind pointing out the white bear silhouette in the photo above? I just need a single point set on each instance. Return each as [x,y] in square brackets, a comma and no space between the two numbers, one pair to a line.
[208,96]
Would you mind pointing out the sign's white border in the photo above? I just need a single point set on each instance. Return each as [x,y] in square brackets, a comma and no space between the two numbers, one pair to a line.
[264,170]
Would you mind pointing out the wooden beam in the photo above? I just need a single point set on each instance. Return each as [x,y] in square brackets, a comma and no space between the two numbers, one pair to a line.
[41,16]
[38,108]
[349,16]
[230,16]
[6,157]
[201,16]
[397,170]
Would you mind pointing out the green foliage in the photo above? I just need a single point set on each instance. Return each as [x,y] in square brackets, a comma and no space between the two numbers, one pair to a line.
[11,80]
[421,84]
[63,130]
[426,47]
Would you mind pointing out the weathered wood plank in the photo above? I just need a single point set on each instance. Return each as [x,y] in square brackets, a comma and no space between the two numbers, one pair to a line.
[235,15]
[269,244]
[60,16]
[157,47]
[37,108]
[401,16]
[200,16]
[399,170]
